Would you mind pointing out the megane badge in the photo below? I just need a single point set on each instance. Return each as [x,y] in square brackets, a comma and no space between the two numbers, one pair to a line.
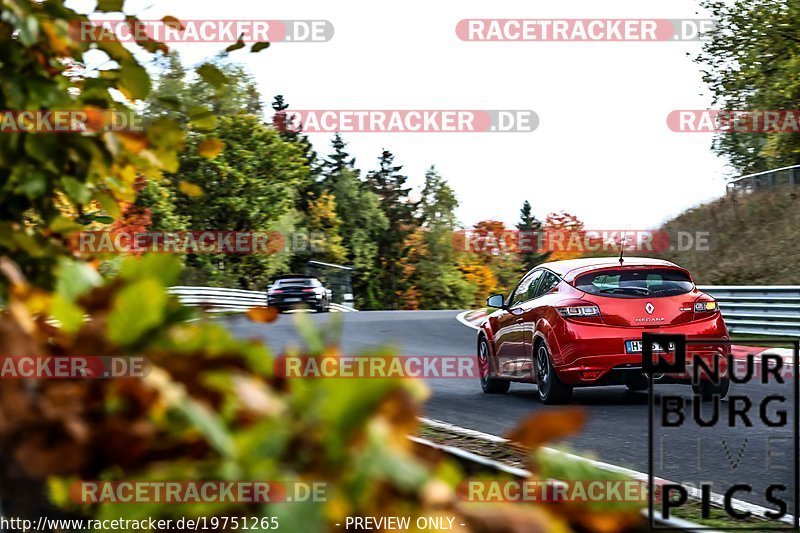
[649,308]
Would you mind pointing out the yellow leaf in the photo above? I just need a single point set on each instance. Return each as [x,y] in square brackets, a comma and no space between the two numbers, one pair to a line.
[262,314]
[60,46]
[133,142]
[126,173]
[190,189]
[210,148]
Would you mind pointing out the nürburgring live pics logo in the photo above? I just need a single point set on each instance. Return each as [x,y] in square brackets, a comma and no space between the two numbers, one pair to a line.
[728,444]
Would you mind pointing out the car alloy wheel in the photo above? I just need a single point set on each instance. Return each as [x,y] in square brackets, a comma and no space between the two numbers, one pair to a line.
[542,371]
[489,384]
[551,390]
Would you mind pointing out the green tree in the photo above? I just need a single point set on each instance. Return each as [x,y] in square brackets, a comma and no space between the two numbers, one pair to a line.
[259,184]
[751,62]
[431,276]
[227,87]
[250,187]
[171,91]
[362,221]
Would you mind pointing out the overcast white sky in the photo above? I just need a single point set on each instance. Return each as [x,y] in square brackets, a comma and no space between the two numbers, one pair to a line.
[602,150]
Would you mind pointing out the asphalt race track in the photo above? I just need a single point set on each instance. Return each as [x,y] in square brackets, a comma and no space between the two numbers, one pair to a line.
[617,431]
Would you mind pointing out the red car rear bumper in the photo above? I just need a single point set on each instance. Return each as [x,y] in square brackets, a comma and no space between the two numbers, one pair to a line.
[587,354]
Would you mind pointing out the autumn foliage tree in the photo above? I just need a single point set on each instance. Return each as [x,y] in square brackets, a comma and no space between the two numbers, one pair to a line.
[430,273]
[564,236]
[209,406]
[490,258]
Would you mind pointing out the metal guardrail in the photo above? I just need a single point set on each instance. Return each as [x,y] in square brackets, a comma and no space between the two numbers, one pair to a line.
[760,310]
[220,300]
[767,179]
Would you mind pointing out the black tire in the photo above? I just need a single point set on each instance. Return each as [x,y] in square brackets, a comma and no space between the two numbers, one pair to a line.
[323,308]
[489,383]
[639,385]
[707,389]
[551,390]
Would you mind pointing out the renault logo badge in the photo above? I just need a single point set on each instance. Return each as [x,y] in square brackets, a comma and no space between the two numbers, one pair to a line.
[649,308]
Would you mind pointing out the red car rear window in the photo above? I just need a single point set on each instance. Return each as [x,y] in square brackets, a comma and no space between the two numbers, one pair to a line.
[635,283]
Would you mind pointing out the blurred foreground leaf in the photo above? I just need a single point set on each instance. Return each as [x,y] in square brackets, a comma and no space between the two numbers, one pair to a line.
[547,426]
[262,314]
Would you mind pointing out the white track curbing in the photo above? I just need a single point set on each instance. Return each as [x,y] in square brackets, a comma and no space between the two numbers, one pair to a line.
[716,499]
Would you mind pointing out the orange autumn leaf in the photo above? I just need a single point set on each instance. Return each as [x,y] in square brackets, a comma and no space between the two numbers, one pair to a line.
[513,518]
[262,314]
[607,522]
[210,148]
[133,142]
[172,22]
[547,426]
[95,118]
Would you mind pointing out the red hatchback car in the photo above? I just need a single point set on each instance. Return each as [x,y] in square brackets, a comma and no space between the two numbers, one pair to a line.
[579,323]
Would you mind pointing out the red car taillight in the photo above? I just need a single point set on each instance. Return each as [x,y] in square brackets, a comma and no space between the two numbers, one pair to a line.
[274,291]
[704,307]
[580,311]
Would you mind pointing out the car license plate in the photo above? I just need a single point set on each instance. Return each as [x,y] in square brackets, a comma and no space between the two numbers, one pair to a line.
[290,300]
[636,347]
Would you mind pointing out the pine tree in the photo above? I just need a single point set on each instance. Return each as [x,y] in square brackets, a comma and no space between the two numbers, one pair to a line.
[339,160]
[530,238]
[389,184]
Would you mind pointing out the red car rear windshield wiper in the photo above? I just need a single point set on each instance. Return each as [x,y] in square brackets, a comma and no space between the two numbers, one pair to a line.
[636,290]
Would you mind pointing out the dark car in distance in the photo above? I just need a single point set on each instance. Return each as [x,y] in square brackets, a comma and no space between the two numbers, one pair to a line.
[299,292]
